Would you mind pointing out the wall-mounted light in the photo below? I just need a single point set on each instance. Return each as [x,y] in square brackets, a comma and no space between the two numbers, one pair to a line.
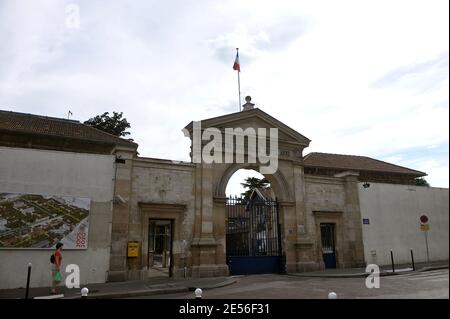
[119,200]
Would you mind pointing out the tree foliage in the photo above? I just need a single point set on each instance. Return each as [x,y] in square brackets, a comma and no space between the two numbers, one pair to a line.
[115,124]
[422,182]
[250,183]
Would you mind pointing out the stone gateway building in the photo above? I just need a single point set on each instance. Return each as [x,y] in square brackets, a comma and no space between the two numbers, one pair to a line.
[153,216]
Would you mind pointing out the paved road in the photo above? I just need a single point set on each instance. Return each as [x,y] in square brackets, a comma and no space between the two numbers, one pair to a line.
[431,284]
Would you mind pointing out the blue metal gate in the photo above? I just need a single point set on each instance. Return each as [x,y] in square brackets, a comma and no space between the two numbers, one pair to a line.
[253,239]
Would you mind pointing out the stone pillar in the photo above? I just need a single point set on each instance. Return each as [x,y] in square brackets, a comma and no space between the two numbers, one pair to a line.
[305,257]
[121,212]
[288,222]
[353,247]
[204,245]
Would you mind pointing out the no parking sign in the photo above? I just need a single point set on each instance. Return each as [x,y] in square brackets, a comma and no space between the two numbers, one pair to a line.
[424,223]
[425,228]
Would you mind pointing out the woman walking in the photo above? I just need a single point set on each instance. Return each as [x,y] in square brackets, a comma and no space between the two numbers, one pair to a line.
[56,260]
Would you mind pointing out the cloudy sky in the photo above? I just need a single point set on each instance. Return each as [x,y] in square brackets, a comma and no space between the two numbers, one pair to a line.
[356,77]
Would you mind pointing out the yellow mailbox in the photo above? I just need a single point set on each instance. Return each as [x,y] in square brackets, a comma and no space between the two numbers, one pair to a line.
[133,249]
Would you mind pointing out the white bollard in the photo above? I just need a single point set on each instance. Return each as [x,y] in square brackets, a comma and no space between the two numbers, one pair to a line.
[332,295]
[198,293]
[84,293]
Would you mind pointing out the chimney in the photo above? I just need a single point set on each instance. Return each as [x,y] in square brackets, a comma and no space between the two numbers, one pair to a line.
[248,106]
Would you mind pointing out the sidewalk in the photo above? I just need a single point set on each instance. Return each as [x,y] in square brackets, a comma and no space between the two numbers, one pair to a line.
[148,287]
[164,285]
[384,270]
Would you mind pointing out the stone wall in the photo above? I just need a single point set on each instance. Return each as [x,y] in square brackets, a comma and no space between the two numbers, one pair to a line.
[335,200]
[393,213]
[159,189]
[59,173]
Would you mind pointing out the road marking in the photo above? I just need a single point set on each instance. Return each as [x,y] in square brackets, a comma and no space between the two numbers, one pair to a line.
[439,280]
[422,275]
[428,277]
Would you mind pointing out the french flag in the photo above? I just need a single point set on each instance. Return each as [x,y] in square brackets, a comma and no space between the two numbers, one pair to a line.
[236,65]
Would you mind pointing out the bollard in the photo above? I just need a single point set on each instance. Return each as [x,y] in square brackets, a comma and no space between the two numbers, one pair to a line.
[412,259]
[198,293]
[332,295]
[84,293]
[28,281]
[392,261]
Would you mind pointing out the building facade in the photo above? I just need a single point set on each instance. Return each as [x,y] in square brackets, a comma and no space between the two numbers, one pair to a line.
[160,217]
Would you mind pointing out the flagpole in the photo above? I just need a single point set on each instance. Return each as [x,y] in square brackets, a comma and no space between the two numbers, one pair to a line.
[239,89]
[239,83]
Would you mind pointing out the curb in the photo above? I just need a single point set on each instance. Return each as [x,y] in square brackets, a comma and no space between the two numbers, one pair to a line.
[153,291]
[133,293]
[363,275]
[430,268]
[225,283]
[357,275]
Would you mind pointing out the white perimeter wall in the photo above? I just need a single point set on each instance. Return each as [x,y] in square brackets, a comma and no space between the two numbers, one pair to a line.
[394,211]
[59,173]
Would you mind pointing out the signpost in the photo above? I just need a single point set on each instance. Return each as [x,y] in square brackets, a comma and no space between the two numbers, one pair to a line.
[425,228]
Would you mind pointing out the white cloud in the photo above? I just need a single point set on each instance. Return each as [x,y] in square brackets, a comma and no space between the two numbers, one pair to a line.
[366,78]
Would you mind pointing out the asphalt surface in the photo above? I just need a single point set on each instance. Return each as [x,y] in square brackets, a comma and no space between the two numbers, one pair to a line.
[423,285]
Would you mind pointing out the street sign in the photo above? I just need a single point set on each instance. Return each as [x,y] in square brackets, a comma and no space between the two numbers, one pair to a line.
[424,219]
[425,228]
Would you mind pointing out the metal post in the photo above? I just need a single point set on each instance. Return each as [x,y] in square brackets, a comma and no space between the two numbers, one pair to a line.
[412,259]
[28,281]
[84,293]
[426,243]
[239,88]
[332,295]
[239,81]
[392,261]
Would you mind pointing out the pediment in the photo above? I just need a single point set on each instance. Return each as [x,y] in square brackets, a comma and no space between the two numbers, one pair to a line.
[254,118]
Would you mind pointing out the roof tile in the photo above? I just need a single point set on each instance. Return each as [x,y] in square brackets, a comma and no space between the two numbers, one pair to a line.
[37,124]
[353,162]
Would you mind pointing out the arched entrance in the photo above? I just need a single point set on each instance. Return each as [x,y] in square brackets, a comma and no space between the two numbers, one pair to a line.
[210,254]
[253,229]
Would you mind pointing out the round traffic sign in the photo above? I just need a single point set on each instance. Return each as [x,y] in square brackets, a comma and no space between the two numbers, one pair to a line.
[423,219]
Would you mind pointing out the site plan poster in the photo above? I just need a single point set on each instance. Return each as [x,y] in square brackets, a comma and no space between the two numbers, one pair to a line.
[41,221]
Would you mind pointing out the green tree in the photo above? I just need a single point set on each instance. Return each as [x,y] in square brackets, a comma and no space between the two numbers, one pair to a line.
[115,125]
[250,183]
[422,182]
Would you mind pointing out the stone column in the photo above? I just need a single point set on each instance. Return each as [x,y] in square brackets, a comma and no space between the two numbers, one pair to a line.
[205,260]
[353,247]
[120,219]
[304,245]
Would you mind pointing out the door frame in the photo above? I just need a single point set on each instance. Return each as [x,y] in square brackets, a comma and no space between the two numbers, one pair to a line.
[332,227]
[174,212]
[172,224]
[330,217]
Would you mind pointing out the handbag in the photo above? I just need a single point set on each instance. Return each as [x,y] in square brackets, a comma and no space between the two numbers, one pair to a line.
[57,276]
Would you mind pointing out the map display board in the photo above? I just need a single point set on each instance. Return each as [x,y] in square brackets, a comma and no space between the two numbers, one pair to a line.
[41,221]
